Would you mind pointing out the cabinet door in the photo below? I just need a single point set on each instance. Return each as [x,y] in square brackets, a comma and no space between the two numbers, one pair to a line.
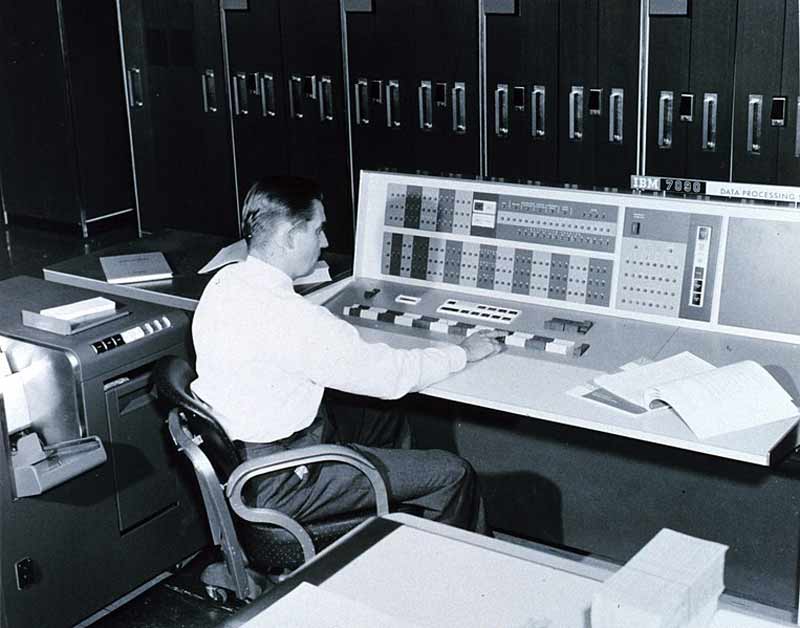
[711,82]
[577,78]
[789,133]
[759,47]
[37,160]
[668,83]
[618,76]
[423,57]
[444,56]
[383,94]
[317,126]
[258,92]
[91,39]
[690,92]
[522,88]
[179,115]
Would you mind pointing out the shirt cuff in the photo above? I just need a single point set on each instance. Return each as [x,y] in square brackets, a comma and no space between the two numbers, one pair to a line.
[456,357]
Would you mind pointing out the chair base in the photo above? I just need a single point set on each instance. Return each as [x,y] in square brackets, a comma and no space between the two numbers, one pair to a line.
[219,583]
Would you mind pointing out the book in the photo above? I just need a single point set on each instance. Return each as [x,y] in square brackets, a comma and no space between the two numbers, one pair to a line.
[710,400]
[136,267]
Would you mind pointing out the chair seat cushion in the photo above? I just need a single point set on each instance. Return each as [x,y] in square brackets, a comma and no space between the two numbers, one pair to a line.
[270,548]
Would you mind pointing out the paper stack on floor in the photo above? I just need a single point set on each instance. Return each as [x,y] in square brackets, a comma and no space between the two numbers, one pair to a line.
[673,582]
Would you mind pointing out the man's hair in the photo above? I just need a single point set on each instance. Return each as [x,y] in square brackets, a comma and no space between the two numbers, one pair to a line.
[271,200]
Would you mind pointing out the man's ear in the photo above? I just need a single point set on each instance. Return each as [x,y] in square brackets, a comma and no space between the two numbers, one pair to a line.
[286,235]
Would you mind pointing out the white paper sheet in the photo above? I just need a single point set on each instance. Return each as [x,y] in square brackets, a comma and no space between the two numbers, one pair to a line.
[308,606]
[631,384]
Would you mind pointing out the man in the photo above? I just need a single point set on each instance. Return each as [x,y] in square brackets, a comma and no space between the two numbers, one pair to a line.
[265,355]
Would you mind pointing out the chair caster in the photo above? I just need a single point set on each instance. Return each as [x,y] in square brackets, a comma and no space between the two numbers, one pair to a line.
[216,594]
[220,587]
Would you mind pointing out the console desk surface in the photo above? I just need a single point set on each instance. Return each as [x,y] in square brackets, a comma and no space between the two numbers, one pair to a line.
[429,574]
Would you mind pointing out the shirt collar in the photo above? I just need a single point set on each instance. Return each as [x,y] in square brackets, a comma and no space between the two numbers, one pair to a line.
[267,273]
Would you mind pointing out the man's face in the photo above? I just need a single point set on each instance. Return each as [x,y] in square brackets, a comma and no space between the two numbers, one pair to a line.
[310,240]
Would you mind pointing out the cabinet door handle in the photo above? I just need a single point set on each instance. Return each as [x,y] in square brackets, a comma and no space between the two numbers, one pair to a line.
[425,94]
[362,101]
[537,111]
[295,96]
[209,83]
[459,95]
[709,122]
[576,113]
[501,110]
[325,99]
[665,103]
[797,130]
[755,104]
[392,103]
[616,113]
[240,94]
[267,84]
[135,98]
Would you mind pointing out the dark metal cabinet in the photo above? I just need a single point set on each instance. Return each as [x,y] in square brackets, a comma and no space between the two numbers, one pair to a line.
[288,101]
[522,88]
[690,92]
[413,70]
[789,133]
[598,92]
[759,53]
[317,119]
[179,115]
[65,155]
[258,91]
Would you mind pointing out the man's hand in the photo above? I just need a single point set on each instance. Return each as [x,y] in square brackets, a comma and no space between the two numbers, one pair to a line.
[482,344]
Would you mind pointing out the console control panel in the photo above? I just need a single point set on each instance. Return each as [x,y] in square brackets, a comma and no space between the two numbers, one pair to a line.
[560,223]
[131,335]
[558,276]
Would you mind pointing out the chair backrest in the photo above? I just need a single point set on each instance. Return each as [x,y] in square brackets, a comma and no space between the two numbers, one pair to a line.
[172,376]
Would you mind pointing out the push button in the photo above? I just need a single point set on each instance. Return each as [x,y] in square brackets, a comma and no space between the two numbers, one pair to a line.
[99,347]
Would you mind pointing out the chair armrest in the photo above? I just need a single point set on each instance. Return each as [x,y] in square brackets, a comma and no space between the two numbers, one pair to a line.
[271,463]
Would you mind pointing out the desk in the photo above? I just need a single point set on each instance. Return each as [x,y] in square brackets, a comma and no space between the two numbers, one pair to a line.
[432,575]
[186,253]
[570,472]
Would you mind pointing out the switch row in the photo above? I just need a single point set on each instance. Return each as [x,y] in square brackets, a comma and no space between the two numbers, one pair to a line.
[524,340]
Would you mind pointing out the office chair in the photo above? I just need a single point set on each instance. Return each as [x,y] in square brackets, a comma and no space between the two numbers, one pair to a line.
[263,537]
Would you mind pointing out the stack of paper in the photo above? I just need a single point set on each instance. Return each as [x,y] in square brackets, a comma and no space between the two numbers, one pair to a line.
[673,582]
[81,309]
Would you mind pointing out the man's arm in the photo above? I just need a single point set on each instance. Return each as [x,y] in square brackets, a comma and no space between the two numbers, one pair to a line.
[337,357]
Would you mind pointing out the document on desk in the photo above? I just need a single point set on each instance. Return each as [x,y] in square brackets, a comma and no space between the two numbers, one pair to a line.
[710,400]
[308,606]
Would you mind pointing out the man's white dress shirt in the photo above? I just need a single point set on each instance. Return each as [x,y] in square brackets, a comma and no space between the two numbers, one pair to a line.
[265,355]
